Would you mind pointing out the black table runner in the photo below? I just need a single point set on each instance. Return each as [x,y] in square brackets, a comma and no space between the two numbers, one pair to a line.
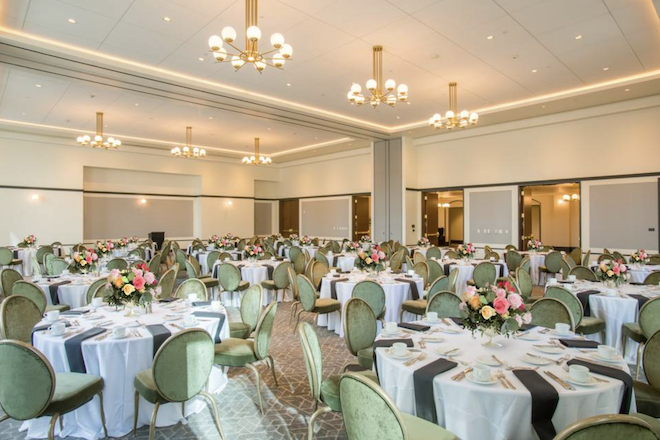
[544,402]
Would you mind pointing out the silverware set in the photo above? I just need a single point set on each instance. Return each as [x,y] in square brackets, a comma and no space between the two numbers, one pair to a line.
[460,376]
[422,356]
[559,380]
[499,375]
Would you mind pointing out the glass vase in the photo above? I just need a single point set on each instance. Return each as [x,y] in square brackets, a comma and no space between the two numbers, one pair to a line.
[489,334]
[131,309]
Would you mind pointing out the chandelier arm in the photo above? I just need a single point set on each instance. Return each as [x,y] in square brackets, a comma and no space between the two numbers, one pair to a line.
[240,51]
[241,66]
[270,51]
[271,65]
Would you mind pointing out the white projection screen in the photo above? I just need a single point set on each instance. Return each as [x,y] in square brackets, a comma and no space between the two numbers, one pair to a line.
[328,217]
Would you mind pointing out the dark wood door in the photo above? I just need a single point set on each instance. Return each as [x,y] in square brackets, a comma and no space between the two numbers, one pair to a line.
[430,217]
[289,217]
[361,216]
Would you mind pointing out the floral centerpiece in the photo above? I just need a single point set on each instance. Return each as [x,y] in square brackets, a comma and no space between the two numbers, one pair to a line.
[131,287]
[253,251]
[612,273]
[466,251]
[134,239]
[423,242]
[30,240]
[493,310]
[534,245]
[365,239]
[372,260]
[228,236]
[353,246]
[640,257]
[84,261]
[223,244]
[214,239]
[305,241]
[104,248]
[294,237]
[122,243]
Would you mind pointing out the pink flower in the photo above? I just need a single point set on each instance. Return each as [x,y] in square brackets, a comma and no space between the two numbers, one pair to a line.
[375,257]
[95,257]
[137,272]
[150,278]
[381,255]
[461,306]
[88,258]
[500,293]
[114,273]
[501,305]
[75,255]
[470,292]
[527,318]
[138,282]
[515,300]
[518,320]
[616,270]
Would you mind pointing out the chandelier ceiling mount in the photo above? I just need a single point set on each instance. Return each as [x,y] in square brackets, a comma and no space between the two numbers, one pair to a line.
[188,151]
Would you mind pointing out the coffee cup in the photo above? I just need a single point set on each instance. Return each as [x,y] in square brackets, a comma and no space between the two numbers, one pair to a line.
[216,305]
[481,373]
[579,373]
[65,272]
[552,281]
[572,278]
[606,352]
[97,302]
[491,258]
[399,349]
[57,329]
[52,315]
[390,327]
[226,259]
[37,277]
[333,271]
[189,319]
[562,328]
[192,297]
[119,332]
[411,272]
[272,258]
[432,316]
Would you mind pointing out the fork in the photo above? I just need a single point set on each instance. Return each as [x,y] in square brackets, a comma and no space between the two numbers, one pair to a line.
[498,376]
[422,343]
[421,357]
[504,378]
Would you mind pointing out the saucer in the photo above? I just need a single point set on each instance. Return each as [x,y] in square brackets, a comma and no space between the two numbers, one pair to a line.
[549,350]
[194,324]
[471,378]
[527,336]
[409,354]
[437,321]
[561,335]
[432,339]
[451,351]
[534,361]
[614,360]
[126,335]
[133,324]
[488,360]
[590,383]
[386,334]
[170,317]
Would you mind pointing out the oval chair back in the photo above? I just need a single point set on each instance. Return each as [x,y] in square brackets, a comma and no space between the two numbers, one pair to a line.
[650,359]
[512,259]
[306,293]
[649,317]
[58,266]
[524,283]
[224,255]
[294,251]
[36,267]
[569,300]
[605,257]
[547,248]
[6,256]
[441,283]
[93,290]
[336,247]
[18,315]
[229,276]
[605,426]
[197,268]
[435,270]
[183,364]
[138,253]
[409,262]
[299,263]
[587,257]
[618,256]
[211,258]
[546,312]
[8,277]
[48,263]
[280,276]
[510,247]
[565,269]
[181,258]
[117,263]
[583,273]
[434,252]
[320,257]
[422,269]
[453,278]
[571,263]
[652,279]
[319,270]
[165,253]
[166,283]
[397,260]
[264,331]
[42,251]
[190,269]
[192,286]
[313,358]
[654,259]
[251,306]
[494,255]
[33,292]
[525,263]
[419,257]
[293,283]
[373,294]
[445,304]
[360,325]
[553,262]
[485,274]
[576,255]
[25,372]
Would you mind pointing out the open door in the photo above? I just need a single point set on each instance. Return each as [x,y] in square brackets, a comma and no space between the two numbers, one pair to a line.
[361,216]
[289,219]
[430,217]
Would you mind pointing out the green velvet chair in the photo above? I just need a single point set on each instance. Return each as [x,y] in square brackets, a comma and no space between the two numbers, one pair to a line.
[648,323]
[419,257]
[618,256]
[211,258]
[369,414]
[167,282]
[373,294]
[452,255]
[18,316]
[181,258]
[250,310]
[565,269]
[294,251]
[320,256]
[96,289]
[154,264]
[547,248]
[231,280]
[453,278]
[492,254]
[576,255]
[117,263]
[546,312]
[280,279]
[434,252]
[318,271]
[653,278]
[446,304]
[647,395]
[36,266]
[310,303]
[510,247]
[7,279]
[484,275]
[421,269]
[360,329]
[29,388]
[586,325]
[525,263]
[586,259]
[605,257]
[138,253]
[234,352]
[299,264]
[322,391]
[654,259]
[42,251]
[435,270]
[34,292]
[58,266]
[583,273]
[7,258]
[524,285]
[552,264]
[223,257]
[180,371]
[396,262]
[512,259]
[418,306]
[610,427]
[48,263]
[192,286]
[193,270]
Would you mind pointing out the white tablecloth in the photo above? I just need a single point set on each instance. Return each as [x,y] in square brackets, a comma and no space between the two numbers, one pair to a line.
[536,260]
[254,273]
[73,294]
[311,250]
[395,294]
[118,361]
[345,261]
[478,412]
[466,270]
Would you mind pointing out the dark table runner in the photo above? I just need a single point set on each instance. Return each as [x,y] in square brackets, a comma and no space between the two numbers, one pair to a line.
[160,333]
[16,254]
[388,343]
[614,374]
[74,350]
[584,299]
[40,328]
[423,382]
[333,286]
[270,270]
[579,343]
[527,327]
[52,288]
[74,312]
[457,321]
[446,267]
[167,300]
[640,298]
[217,315]
[544,402]
[415,327]
[413,287]
[201,303]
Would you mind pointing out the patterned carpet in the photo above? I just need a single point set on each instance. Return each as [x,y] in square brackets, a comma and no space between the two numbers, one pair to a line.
[288,407]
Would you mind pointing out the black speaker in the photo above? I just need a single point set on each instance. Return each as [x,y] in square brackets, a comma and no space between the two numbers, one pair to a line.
[158,238]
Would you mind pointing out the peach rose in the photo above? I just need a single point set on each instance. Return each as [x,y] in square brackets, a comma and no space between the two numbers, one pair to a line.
[128,289]
[474,302]
[488,312]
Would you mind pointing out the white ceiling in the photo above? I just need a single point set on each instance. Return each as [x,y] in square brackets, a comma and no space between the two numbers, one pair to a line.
[427,43]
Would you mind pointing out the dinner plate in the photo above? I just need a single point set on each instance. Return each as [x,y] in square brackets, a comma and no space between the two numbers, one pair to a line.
[549,350]
[471,378]
[392,335]
[126,335]
[614,360]
[133,324]
[535,361]
[194,324]
[409,354]
[428,321]
[590,383]
[170,317]
[432,339]
[443,352]
[528,336]
[488,360]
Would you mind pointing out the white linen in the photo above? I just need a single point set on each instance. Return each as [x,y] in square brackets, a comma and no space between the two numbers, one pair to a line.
[73,294]
[536,260]
[117,361]
[477,412]
[254,273]
[345,262]
[466,269]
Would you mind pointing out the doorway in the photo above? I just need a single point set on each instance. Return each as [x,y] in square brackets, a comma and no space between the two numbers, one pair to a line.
[551,214]
[361,216]
[442,217]
[289,221]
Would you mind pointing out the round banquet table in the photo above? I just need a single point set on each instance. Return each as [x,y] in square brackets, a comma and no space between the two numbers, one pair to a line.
[202,257]
[396,293]
[637,272]
[73,293]
[254,273]
[466,269]
[536,260]
[476,412]
[345,261]
[311,250]
[117,361]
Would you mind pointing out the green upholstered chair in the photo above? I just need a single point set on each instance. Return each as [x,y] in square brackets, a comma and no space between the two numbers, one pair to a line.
[494,255]
[280,279]
[7,279]
[294,251]
[565,269]
[445,303]
[576,255]
[586,325]
[48,263]
[546,312]
[58,266]
[409,262]
[452,255]
[605,257]
[397,260]
[512,259]
[318,271]
[250,310]
[552,264]
[586,259]
[369,413]
[653,278]
[42,251]
[29,388]
[117,263]
[154,264]
[418,306]
[230,279]
[610,427]
[137,253]
[167,282]
[36,266]
[299,264]
[192,286]
[484,275]
[7,258]
[373,294]
[234,352]
[647,395]
[618,256]
[78,247]
[181,258]
[18,315]
[310,303]
[180,371]
[510,247]
[435,270]
[211,258]
[524,285]
[525,263]
[648,323]
[293,285]
[360,328]
[96,289]
[433,252]
[654,259]
[418,257]
[34,292]
[453,278]
[320,256]
[193,271]
[224,256]
[583,273]
[547,248]
[421,269]
[571,263]
[487,249]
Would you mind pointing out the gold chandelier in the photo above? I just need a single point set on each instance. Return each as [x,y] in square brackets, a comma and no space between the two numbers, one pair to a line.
[251,52]
[375,86]
[99,141]
[188,151]
[257,159]
[452,117]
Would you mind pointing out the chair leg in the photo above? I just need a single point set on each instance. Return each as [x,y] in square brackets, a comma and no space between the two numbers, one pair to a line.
[271,362]
[105,428]
[602,336]
[256,373]
[318,412]
[183,409]
[639,357]
[623,345]
[214,410]
[294,307]
[297,320]
[51,428]
[152,425]
[62,424]
[136,411]
[3,417]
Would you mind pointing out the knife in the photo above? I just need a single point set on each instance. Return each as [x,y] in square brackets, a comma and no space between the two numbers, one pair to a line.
[559,381]
[544,358]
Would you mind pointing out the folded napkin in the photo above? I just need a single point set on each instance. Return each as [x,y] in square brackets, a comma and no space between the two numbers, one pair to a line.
[635,283]
[640,298]
[160,333]
[335,260]
[15,254]
[416,327]
[73,312]
[579,343]
[423,382]
[74,350]
[527,327]
[388,343]
[566,282]
[167,300]
[544,402]
[333,286]
[201,303]
[457,321]
[52,288]
[584,299]
[414,293]
[221,321]
[614,374]
[446,267]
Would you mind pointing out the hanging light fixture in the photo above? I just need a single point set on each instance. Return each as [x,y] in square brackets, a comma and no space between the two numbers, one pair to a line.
[98,141]
[452,117]
[257,159]
[379,94]
[188,151]
[273,58]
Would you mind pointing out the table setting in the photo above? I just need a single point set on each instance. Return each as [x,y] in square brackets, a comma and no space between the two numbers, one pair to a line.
[343,261]
[69,289]
[311,250]
[202,257]
[253,272]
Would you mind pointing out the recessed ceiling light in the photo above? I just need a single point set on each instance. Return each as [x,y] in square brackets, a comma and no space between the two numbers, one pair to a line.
[534,71]
[268,128]
[167,19]
[137,104]
[24,112]
[398,117]
[627,90]
[542,106]
[210,117]
[288,84]
[315,138]
[72,21]
[606,68]
[490,37]
[578,37]
[201,58]
[38,86]
[435,56]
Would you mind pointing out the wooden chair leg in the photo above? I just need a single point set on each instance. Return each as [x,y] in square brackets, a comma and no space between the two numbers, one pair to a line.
[136,411]
[318,412]
[51,428]
[183,409]
[272,368]
[152,425]
[258,379]
[3,418]
[214,409]
[297,320]
[105,428]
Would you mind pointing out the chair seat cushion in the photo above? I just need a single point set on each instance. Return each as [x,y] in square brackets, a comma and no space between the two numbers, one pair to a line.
[330,392]
[243,285]
[60,307]
[471,282]
[326,305]
[420,429]
[210,282]
[590,325]
[144,384]
[366,357]
[16,261]
[239,330]
[634,332]
[415,306]
[73,390]
[647,398]
[235,352]
[269,284]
